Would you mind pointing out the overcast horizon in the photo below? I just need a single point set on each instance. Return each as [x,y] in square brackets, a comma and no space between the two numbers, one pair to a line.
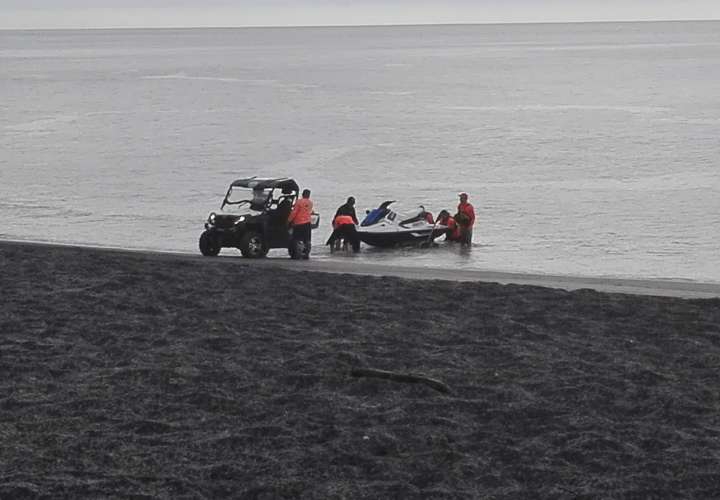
[68,14]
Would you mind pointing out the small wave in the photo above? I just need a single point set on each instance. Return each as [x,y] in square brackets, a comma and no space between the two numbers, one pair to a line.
[44,210]
[10,205]
[107,113]
[665,182]
[181,76]
[227,79]
[43,124]
[602,46]
[392,92]
[224,79]
[31,76]
[563,107]
[296,86]
[691,121]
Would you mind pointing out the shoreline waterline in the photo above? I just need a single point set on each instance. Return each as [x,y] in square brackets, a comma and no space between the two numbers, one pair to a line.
[652,287]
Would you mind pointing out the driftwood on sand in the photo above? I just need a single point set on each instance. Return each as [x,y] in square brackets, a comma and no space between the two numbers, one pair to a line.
[401,377]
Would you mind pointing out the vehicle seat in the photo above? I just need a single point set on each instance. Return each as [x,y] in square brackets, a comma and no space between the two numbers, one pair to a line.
[415,218]
[281,213]
[374,216]
[259,201]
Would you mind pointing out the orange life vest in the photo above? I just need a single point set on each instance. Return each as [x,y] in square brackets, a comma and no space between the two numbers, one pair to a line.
[468,211]
[301,212]
[341,220]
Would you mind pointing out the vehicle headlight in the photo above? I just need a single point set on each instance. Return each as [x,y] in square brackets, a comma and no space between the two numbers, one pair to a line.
[240,219]
[211,218]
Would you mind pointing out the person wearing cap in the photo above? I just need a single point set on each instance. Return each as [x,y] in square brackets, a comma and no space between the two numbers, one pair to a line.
[300,220]
[465,218]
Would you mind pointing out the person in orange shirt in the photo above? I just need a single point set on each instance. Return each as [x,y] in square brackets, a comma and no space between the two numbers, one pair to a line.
[465,217]
[300,221]
[453,230]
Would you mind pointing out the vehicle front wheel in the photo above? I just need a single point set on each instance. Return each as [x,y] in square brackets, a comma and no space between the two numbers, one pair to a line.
[252,246]
[209,244]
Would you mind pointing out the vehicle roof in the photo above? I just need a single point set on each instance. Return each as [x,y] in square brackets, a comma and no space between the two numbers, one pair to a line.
[255,183]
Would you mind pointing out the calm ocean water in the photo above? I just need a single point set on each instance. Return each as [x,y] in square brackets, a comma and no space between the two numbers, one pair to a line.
[588,149]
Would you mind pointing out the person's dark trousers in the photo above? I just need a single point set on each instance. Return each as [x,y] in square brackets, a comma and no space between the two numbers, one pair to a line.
[302,233]
[466,235]
[334,237]
[348,233]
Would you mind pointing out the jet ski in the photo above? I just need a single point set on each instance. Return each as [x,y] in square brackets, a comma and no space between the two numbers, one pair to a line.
[383,227]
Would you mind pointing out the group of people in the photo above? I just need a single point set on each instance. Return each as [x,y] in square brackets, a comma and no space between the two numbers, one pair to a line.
[345,222]
[460,225]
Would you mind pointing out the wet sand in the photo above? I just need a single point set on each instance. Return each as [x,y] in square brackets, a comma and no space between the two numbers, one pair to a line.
[126,374]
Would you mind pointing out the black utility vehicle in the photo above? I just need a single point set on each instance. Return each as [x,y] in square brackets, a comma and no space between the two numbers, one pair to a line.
[253,217]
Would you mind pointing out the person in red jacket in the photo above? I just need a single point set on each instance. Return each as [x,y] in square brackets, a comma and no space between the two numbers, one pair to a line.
[465,218]
[300,220]
[427,215]
[453,230]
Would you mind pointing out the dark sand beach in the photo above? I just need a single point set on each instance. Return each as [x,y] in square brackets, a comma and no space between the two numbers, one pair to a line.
[127,375]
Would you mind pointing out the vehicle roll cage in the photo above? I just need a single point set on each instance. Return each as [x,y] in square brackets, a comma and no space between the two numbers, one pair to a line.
[262,199]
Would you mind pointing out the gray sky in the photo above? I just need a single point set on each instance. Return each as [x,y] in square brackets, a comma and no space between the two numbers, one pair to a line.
[171,13]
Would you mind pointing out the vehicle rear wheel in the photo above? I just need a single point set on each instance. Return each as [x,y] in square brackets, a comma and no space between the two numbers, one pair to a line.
[252,246]
[209,244]
[299,250]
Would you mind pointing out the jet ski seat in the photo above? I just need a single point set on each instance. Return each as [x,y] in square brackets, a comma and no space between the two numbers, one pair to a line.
[415,218]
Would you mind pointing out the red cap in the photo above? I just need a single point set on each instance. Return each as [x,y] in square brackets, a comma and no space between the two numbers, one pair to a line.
[463,194]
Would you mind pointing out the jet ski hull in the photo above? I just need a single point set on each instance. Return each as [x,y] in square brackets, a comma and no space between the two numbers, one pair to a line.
[387,239]
[383,227]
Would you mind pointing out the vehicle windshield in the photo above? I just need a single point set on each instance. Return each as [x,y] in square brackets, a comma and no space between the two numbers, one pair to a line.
[242,198]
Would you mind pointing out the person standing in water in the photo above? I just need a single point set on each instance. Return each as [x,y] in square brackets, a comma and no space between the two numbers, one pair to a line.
[465,218]
[344,230]
[453,231]
[347,209]
[300,220]
[343,224]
